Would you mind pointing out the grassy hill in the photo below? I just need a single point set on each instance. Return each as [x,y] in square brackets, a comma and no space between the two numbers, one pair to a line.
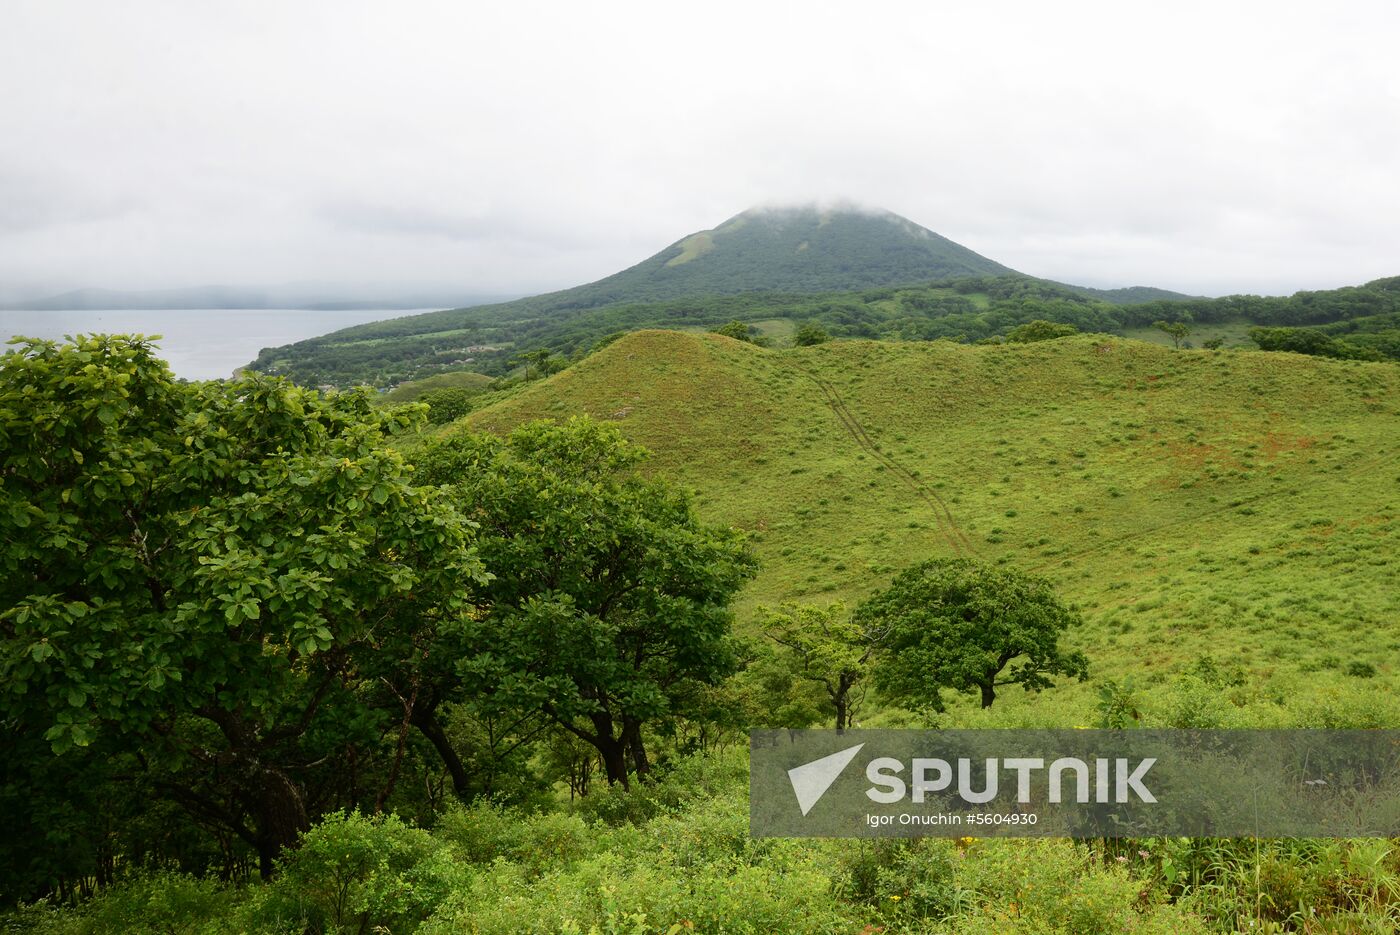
[1244,506]
[464,380]
[966,309]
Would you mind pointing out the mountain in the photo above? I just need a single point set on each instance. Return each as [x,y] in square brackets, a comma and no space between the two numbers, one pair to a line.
[797,249]
[1241,506]
[760,258]
[307,296]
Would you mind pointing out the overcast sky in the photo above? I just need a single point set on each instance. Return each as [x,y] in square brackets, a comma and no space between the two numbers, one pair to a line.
[520,146]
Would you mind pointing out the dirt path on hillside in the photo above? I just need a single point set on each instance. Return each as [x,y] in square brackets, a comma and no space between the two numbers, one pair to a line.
[943,517]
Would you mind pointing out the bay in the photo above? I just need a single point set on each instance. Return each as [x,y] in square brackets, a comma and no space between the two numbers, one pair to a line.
[199,344]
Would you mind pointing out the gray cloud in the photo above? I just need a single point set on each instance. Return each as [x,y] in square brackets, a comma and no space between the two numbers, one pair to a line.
[518,147]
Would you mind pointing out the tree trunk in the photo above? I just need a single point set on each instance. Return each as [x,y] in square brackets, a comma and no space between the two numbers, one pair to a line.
[640,763]
[281,817]
[612,749]
[425,719]
[614,754]
[841,699]
[276,802]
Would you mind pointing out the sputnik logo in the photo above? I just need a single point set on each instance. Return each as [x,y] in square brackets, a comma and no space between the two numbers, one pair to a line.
[811,780]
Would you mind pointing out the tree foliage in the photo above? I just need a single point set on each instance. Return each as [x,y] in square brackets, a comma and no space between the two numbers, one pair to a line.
[1178,331]
[609,606]
[200,571]
[968,627]
[1310,341]
[448,405]
[734,329]
[823,645]
[1039,330]
[969,308]
[810,333]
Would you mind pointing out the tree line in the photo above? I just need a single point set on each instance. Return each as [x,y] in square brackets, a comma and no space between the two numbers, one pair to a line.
[489,340]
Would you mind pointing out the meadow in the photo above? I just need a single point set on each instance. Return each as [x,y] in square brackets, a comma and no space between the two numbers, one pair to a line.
[1236,505]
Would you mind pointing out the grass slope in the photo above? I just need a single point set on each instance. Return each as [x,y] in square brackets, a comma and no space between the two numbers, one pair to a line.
[1243,505]
[457,379]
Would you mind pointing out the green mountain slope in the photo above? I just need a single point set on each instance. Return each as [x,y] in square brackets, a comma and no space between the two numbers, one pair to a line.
[1243,505]
[797,250]
[857,273]
[803,250]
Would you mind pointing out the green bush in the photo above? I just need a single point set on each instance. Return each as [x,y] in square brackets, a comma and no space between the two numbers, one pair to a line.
[735,329]
[448,405]
[154,904]
[483,833]
[353,874]
[1361,670]
[1038,330]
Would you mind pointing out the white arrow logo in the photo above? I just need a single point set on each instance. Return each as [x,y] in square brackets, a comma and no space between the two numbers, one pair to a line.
[811,780]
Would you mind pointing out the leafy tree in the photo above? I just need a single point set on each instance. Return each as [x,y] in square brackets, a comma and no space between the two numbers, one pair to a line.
[958,624]
[609,606]
[541,359]
[1309,341]
[810,333]
[1039,330]
[826,646]
[1176,330]
[448,405]
[1213,344]
[199,573]
[735,329]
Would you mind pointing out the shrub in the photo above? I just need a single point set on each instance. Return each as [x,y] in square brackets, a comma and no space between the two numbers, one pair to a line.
[735,329]
[353,873]
[153,904]
[448,405]
[1039,330]
[483,832]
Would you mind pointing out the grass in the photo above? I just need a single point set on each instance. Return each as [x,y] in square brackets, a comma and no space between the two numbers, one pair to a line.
[413,389]
[778,330]
[1233,333]
[1240,505]
[696,245]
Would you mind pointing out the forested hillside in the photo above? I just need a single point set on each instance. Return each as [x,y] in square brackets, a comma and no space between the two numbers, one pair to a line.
[489,339]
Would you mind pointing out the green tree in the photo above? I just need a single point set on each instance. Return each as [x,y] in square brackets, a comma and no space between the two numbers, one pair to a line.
[735,329]
[1176,330]
[1039,330]
[1309,341]
[962,625]
[542,359]
[810,333]
[823,645]
[1213,344]
[448,405]
[609,605]
[199,572]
